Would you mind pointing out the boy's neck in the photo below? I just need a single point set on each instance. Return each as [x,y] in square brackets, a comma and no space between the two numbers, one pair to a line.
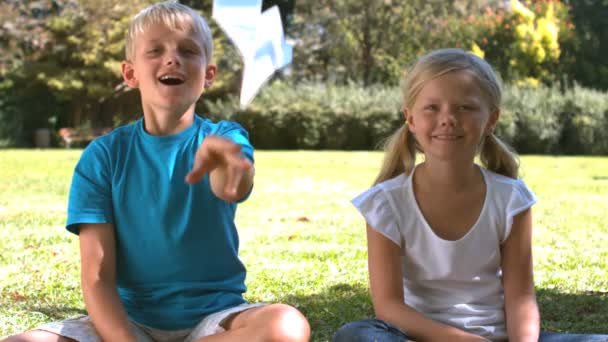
[162,123]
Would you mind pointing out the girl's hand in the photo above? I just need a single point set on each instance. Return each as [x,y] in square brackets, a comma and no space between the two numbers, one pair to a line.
[463,336]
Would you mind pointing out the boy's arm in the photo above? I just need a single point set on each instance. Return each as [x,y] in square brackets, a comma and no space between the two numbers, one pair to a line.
[98,277]
[521,309]
[230,172]
[386,285]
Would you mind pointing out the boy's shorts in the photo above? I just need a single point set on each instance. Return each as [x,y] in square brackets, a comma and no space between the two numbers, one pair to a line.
[81,328]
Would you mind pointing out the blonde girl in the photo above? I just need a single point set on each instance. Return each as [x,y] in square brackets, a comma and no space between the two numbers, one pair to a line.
[450,241]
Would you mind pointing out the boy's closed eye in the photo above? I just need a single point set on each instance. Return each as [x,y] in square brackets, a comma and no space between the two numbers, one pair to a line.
[467,108]
[153,51]
[190,50]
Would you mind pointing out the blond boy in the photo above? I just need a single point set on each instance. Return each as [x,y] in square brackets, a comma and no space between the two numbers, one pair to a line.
[154,202]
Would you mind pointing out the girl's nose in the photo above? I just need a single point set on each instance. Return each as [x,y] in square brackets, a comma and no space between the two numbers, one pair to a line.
[448,117]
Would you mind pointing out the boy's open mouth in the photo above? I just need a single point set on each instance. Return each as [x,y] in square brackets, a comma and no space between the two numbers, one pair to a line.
[171,80]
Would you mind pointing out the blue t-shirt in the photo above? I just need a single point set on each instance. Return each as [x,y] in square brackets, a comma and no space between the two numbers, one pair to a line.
[176,244]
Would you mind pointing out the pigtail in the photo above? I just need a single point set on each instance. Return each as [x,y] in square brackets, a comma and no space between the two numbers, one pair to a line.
[496,156]
[399,155]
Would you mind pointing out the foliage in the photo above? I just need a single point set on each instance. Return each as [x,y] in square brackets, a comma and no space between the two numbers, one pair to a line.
[584,56]
[534,119]
[302,241]
[535,113]
[585,122]
[67,54]
[315,115]
[523,44]
[60,60]
[367,42]
[71,67]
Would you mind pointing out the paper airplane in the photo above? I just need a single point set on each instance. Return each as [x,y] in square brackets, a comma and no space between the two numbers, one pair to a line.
[258,37]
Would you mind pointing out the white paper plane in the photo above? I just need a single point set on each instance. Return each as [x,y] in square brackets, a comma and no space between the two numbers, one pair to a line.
[258,37]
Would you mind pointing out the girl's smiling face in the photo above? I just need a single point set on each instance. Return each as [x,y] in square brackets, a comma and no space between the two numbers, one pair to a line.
[450,116]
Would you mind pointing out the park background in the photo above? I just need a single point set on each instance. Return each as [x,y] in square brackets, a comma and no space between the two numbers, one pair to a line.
[303,243]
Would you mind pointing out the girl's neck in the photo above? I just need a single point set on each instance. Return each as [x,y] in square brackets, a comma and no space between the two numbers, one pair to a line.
[447,176]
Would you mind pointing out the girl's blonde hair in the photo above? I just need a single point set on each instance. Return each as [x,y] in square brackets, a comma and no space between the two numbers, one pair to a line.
[175,16]
[400,148]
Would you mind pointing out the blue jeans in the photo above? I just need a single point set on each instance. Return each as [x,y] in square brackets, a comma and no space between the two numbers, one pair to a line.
[374,330]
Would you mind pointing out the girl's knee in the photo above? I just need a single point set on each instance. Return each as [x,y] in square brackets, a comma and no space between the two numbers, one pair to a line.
[287,324]
[353,331]
[367,330]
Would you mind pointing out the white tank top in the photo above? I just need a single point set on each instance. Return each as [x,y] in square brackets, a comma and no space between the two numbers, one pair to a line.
[454,282]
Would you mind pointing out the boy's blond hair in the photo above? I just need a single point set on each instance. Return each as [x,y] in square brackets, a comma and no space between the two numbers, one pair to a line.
[401,147]
[175,16]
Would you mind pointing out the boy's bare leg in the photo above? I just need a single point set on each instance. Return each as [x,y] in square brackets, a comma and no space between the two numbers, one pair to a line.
[276,322]
[37,336]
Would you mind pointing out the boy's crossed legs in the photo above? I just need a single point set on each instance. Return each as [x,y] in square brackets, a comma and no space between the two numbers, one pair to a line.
[249,322]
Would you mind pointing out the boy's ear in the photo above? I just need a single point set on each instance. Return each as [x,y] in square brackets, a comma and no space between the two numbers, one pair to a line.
[128,74]
[210,72]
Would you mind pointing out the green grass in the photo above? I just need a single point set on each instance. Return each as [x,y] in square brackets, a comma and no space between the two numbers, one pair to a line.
[301,239]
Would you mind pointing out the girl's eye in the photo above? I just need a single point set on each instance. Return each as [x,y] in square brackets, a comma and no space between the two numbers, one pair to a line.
[153,51]
[432,108]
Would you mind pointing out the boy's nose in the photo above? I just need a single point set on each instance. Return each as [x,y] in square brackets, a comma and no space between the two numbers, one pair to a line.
[172,59]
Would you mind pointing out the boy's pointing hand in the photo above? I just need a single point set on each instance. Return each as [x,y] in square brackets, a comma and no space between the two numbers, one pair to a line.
[222,155]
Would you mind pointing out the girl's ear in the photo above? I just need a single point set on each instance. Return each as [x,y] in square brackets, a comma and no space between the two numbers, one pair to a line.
[492,122]
[409,119]
[128,74]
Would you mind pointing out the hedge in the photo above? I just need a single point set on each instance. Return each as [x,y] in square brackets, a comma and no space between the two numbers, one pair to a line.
[534,120]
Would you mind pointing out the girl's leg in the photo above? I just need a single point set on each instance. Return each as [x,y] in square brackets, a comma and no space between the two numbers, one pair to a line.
[558,337]
[370,330]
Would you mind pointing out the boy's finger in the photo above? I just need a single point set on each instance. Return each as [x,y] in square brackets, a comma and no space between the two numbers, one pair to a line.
[233,180]
[221,145]
[199,169]
[241,163]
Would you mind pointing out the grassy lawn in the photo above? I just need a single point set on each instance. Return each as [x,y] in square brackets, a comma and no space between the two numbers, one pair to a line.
[301,239]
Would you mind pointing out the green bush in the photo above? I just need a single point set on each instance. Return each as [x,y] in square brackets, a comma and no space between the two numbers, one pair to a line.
[11,127]
[534,113]
[540,120]
[585,122]
[314,115]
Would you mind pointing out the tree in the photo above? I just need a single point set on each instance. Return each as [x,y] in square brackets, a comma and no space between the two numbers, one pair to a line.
[587,54]
[368,41]
[351,40]
[60,61]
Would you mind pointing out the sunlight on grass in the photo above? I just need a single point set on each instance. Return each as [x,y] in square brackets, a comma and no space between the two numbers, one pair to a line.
[301,239]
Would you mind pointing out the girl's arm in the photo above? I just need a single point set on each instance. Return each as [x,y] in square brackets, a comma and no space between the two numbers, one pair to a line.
[523,319]
[386,284]
[98,277]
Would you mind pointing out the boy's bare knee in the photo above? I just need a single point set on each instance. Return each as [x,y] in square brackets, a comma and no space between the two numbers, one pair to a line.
[287,324]
[37,336]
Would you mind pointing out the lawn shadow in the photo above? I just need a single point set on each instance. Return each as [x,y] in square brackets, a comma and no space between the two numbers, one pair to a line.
[58,312]
[583,313]
[329,309]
